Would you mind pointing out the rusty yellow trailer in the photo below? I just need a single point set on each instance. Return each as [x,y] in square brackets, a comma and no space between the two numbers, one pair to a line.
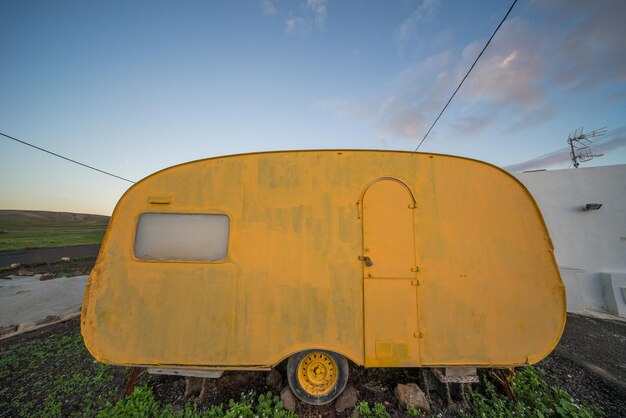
[389,259]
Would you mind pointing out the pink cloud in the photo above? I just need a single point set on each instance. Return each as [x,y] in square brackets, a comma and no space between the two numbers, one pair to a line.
[530,62]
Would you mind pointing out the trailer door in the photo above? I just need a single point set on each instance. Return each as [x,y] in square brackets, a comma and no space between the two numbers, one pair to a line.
[389,276]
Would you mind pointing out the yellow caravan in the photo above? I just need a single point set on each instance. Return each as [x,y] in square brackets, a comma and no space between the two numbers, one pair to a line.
[385,258]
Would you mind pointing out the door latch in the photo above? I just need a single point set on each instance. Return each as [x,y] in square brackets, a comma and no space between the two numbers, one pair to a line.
[368,261]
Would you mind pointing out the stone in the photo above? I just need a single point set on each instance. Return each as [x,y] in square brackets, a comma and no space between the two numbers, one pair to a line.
[274,380]
[47,276]
[288,398]
[15,265]
[347,400]
[192,386]
[411,395]
[48,320]
[7,329]
[25,326]
[24,272]
[65,259]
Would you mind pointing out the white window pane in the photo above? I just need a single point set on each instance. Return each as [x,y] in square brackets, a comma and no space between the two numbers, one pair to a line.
[173,236]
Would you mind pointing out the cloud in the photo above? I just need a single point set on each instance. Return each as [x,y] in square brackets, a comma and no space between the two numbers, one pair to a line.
[294,24]
[472,125]
[510,72]
[405,111]
[534,65]
[406,30]
[546,160]
[616,97]
[591,50]
[312,14]
[269,7]
[318,7]
[536,116]
[615,139]
[507,79]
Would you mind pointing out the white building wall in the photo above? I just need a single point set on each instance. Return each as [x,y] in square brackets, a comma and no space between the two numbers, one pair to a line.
[586,243]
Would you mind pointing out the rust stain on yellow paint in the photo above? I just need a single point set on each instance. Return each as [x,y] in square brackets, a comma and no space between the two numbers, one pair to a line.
[487,290]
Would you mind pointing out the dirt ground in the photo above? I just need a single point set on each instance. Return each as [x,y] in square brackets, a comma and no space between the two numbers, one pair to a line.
[74,267]
[588,364]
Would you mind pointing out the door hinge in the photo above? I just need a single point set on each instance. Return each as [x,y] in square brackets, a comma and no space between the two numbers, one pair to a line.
[415,282]
[418,334]
[415,269]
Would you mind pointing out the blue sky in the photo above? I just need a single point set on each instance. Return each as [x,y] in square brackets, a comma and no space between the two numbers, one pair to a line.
[134,87]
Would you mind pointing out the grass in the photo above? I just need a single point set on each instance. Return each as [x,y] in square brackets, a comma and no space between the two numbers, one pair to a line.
[535,398]
[377,411]
[142,403]
[36,229]
[55,376]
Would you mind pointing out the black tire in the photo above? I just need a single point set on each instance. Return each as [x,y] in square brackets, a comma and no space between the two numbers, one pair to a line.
[328,392]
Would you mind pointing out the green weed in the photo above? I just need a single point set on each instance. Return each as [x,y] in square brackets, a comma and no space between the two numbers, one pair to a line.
[535,398]
[378,411]
[412,411]
[142,403]
[54,376]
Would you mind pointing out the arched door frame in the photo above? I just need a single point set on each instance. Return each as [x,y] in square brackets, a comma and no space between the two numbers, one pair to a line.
[371,183]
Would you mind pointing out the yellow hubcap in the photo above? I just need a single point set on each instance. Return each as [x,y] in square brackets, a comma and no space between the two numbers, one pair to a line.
[317,373]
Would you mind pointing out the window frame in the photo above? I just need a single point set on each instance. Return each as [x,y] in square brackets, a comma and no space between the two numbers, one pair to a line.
[158,260]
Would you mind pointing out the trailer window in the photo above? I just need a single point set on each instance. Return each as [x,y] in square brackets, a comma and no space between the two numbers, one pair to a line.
[182,237]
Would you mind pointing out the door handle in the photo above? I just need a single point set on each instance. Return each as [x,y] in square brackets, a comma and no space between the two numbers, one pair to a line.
[368,261]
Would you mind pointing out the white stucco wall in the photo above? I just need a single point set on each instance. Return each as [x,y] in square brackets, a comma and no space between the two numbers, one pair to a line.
[586,243]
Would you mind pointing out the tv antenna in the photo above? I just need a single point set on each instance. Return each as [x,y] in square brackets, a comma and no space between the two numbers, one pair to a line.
[579,142]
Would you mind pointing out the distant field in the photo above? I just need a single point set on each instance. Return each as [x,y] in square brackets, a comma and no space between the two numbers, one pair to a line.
[22,229]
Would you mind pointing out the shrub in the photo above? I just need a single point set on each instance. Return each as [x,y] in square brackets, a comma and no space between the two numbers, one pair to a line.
[378,411]
[141,403]
[535,398]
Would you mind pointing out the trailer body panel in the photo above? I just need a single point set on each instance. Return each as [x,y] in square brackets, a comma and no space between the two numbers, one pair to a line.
[463,271]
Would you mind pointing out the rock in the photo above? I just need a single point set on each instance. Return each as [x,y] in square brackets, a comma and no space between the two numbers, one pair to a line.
[274,380]
[7,329]
[411,395]
[48,320]
[15,265]
[192,386]
[25,326]
[65,259]
[288,398]
[47,276]
[24,272]
[347,399]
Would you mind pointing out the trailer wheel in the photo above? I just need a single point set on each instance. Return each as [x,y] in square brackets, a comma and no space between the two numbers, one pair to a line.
[317,377]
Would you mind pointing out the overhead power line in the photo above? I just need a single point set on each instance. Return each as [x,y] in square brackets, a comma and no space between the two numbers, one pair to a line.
[65,158]
[468,73]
